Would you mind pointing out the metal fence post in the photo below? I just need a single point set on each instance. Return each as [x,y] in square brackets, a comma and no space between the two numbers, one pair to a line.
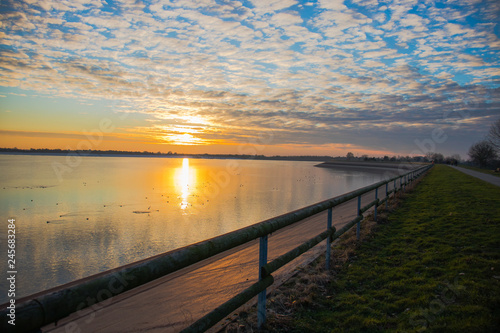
[386,194]
[329,239]
[358,227]
[261,305]
[376,205]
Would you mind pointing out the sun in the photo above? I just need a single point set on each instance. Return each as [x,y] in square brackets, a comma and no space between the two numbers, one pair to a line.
[183,139]
[183,130]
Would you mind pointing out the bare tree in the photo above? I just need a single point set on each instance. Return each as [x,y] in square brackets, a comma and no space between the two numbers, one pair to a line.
[457,157]
[494,135]
[482,153]
[435,157]
[438,158]
[453,159]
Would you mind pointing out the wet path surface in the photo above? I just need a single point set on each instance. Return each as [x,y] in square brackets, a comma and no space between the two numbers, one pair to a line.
[483,176]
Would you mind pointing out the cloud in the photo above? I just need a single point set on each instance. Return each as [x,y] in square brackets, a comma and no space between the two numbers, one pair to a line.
[268,6]
[66,136]
[322,78]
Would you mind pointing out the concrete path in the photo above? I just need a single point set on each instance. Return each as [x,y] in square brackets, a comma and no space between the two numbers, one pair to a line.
[173,302]
[483,176]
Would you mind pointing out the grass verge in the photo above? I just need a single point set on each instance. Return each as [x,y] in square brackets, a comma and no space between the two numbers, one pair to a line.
[431,264]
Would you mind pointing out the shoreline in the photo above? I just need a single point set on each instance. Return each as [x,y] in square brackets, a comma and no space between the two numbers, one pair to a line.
[402,166]
[153,155]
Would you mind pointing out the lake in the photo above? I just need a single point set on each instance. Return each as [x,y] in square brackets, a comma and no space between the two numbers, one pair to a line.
[77,216]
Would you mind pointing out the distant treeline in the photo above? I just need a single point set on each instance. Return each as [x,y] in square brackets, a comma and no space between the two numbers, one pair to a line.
[159,154]
[429,157]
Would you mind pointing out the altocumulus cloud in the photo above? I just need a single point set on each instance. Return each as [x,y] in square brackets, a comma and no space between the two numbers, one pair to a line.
[328,73]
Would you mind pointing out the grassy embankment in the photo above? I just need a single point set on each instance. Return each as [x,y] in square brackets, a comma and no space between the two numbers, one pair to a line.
[432,263]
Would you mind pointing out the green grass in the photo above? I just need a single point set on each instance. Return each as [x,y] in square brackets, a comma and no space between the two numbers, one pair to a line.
[487,171]
[434,265]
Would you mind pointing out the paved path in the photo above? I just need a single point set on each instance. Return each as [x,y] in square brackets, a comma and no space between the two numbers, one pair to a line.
[171,303]
[483,176]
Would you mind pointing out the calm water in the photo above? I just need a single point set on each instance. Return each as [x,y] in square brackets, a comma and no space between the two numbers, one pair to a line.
[78,217]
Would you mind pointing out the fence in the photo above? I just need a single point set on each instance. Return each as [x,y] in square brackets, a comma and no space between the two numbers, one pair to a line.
[51,306]
[266,269]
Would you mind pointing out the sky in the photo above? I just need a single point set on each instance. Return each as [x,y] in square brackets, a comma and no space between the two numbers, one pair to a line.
[271,77]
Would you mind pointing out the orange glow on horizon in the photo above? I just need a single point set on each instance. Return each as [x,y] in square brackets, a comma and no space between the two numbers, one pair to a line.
[181,143]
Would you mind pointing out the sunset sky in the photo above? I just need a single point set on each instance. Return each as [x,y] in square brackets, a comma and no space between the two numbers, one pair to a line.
[263,76]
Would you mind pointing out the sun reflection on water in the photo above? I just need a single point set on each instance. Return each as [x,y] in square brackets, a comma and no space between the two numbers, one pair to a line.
[183,181]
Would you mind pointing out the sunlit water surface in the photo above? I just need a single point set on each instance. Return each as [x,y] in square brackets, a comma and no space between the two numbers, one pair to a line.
[80,216]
